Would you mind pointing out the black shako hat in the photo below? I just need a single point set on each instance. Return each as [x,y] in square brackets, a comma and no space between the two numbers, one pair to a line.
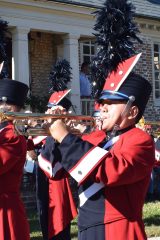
[123,84]
[14,91]
[58,98]
[134,85]
[66,103]
[137,86]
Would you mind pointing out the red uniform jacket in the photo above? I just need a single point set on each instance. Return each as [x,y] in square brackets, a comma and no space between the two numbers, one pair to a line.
[62,209]
[157,153]
[13,223]
[124,171]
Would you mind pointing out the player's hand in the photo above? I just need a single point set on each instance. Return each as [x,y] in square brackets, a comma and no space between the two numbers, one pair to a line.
[58,130]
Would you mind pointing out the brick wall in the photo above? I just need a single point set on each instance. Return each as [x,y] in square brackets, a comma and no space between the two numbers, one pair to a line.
[42,57]
[144,68]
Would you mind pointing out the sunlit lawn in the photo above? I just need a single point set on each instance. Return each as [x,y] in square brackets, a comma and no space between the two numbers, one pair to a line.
[35,228]
[151,214]
[151,219]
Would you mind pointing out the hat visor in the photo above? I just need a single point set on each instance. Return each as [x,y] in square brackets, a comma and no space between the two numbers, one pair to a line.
[96,114]
[113,96]
[50,105]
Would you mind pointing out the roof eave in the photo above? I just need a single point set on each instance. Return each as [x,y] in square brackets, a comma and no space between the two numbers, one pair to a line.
[70,2]
[76,4]
[147,16]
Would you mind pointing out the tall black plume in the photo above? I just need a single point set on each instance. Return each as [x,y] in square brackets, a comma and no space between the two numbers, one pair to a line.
[116,32]
[3,43]
[60,76]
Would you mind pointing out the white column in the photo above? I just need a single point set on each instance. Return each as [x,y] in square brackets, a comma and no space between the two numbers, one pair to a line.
[20,55]
[72,55]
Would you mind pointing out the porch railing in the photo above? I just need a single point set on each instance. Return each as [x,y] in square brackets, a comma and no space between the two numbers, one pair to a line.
[87,106]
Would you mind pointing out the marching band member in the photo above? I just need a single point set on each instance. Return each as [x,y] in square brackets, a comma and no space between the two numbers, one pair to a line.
[41,188]
[156,171]
[114,173]
[57,195]
[13,147]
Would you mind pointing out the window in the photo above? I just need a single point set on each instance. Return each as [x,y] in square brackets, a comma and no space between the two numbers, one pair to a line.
[156,59]
[87,51]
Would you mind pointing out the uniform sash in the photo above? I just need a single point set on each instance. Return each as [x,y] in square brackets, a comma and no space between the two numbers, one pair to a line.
[95,187]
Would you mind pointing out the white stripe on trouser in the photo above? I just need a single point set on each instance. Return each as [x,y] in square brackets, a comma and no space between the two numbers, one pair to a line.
[94,188]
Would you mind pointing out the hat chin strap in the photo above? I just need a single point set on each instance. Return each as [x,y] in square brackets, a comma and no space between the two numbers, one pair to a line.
[123,114]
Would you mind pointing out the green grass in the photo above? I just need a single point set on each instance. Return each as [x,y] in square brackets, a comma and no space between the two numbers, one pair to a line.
[74,230]
[35,232]
[34,225]
[151,216]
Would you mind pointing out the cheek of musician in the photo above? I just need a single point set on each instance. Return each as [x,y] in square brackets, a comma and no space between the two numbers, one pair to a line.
[111,115]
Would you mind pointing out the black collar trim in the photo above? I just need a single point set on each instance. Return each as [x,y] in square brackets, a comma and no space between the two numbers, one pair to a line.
[119,132]
[3,124]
